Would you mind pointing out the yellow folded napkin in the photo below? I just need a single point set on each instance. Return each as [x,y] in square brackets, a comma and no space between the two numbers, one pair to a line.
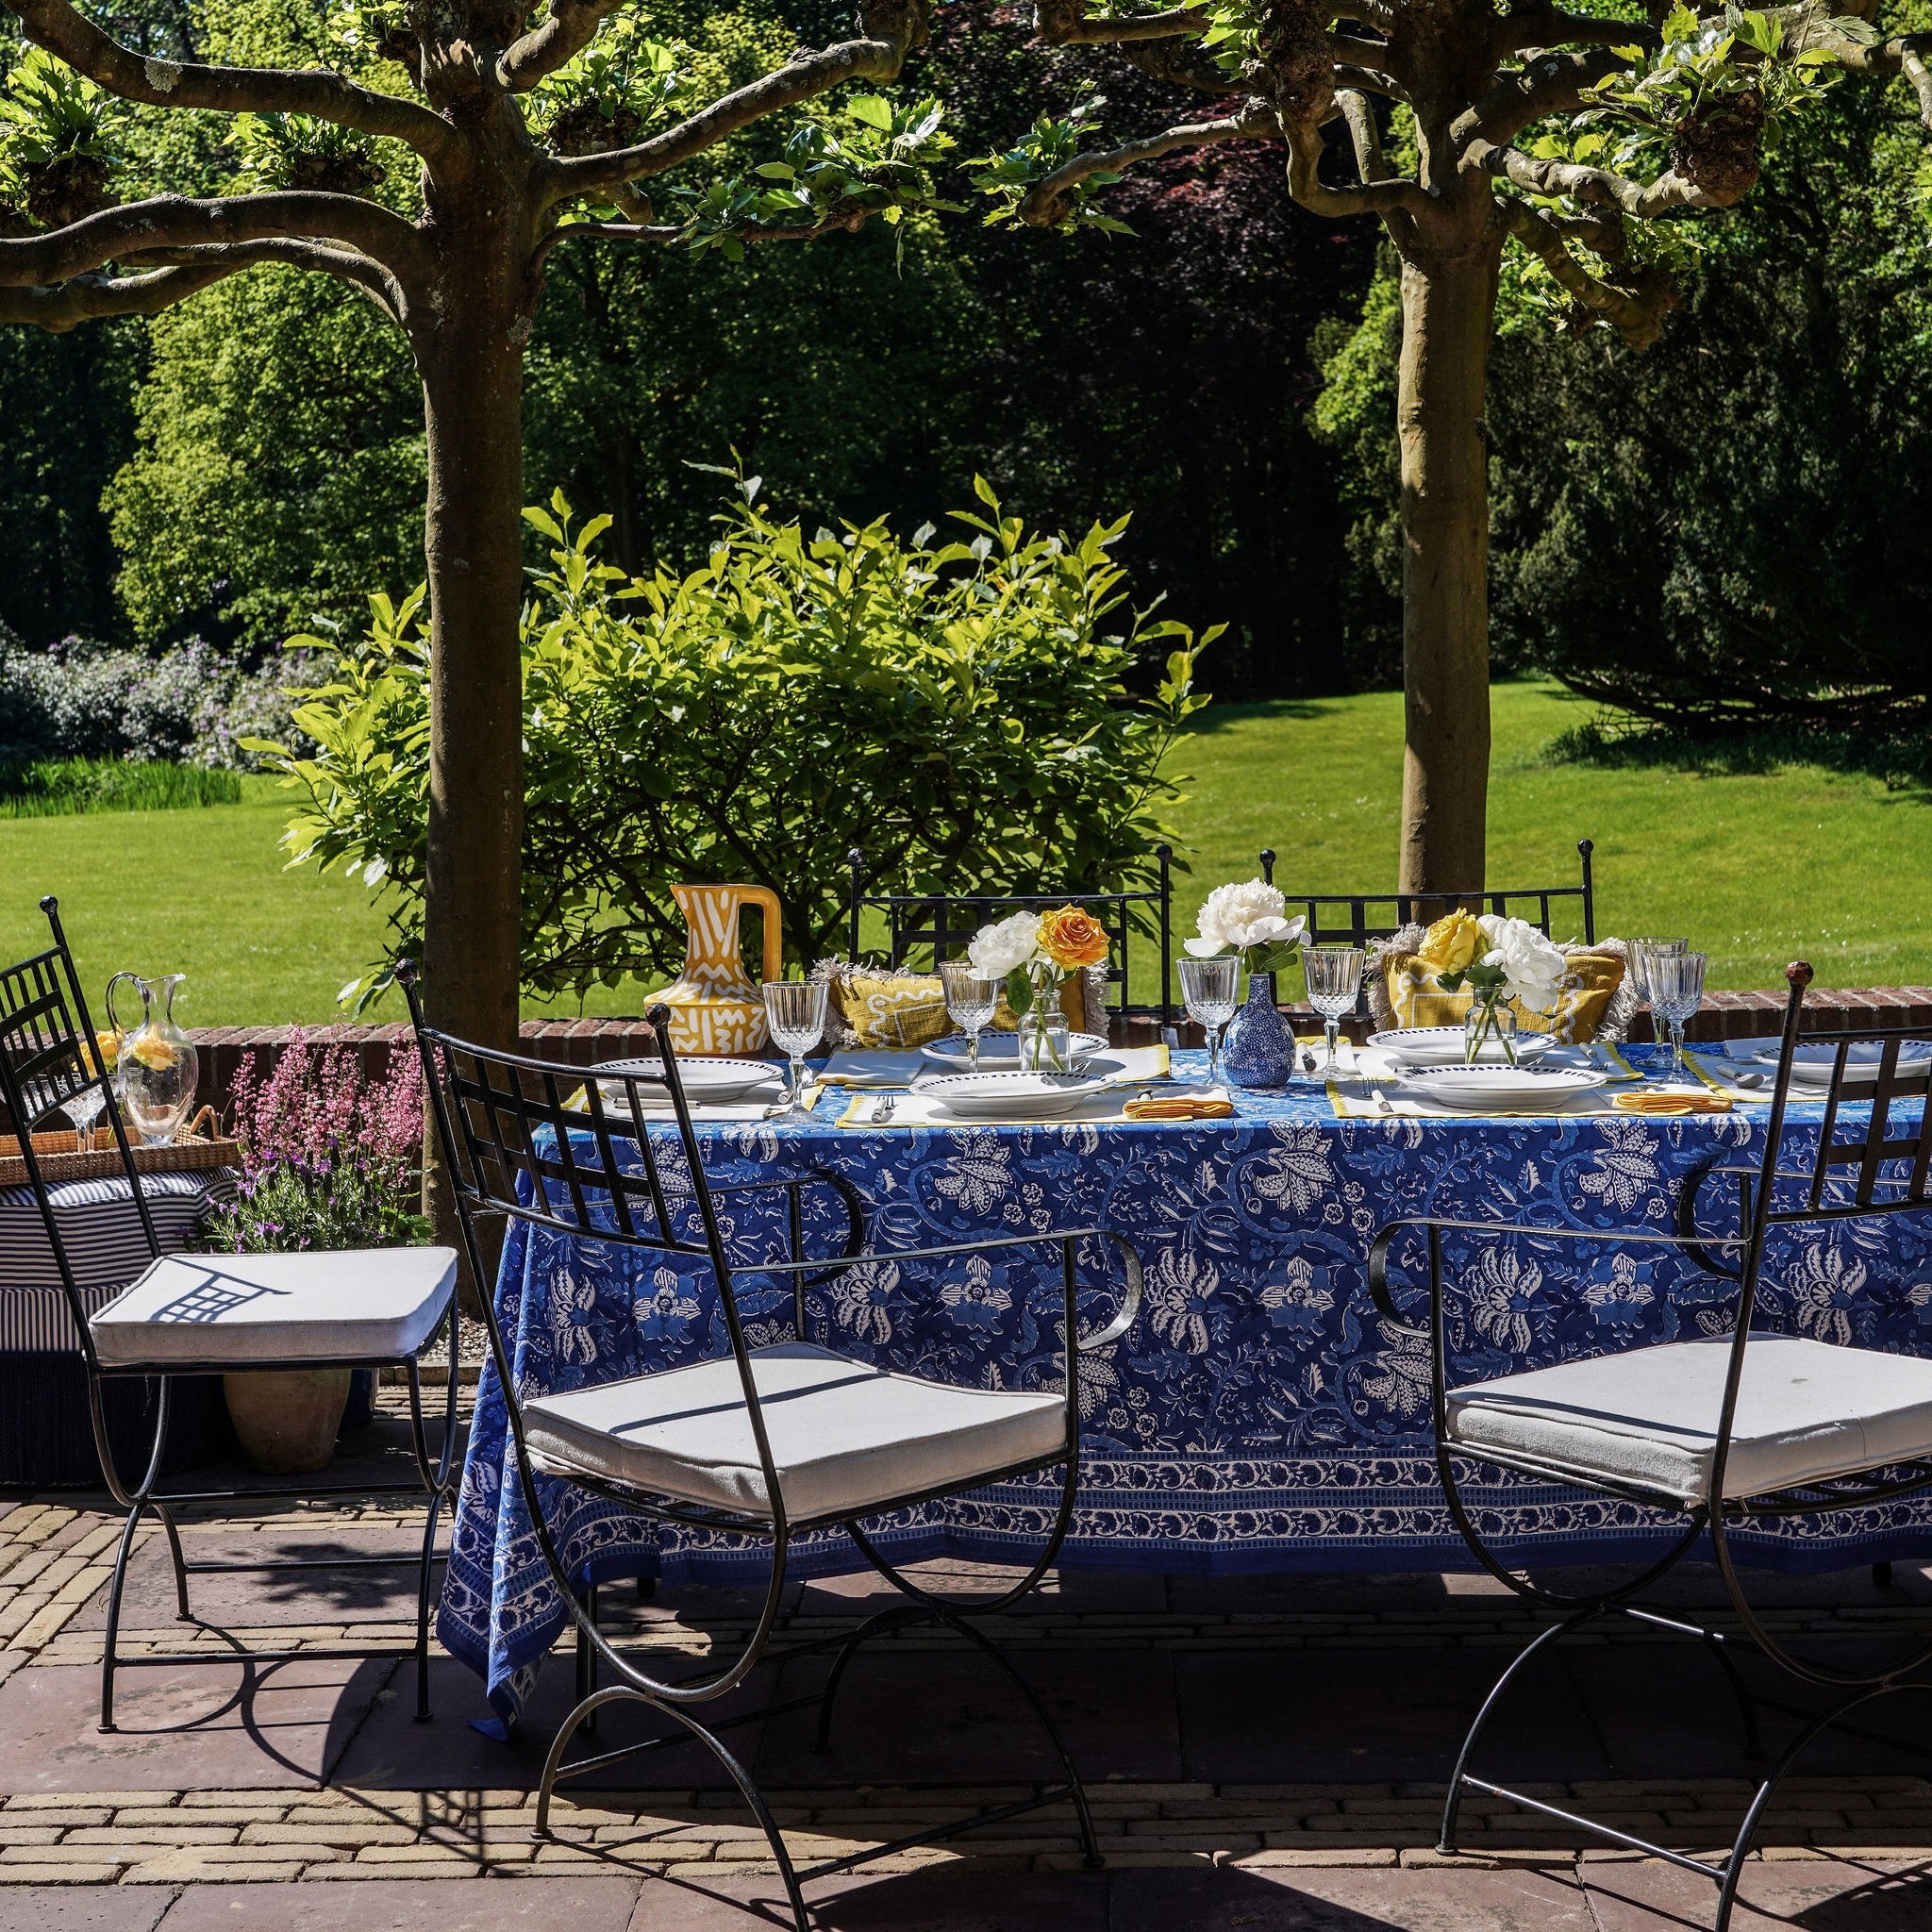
[1668,1104]
[1179,1106]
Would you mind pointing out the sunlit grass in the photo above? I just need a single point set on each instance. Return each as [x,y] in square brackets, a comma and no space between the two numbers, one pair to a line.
[1758,868]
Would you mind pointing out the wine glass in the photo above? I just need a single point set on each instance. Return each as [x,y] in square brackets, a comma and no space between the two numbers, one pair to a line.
[1677,991]
[795,1012]
[1642,952]
[971,998]
[1334,976]
[1208,987]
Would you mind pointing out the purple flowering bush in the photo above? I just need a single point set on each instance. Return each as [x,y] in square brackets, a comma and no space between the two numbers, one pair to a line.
[329,1158]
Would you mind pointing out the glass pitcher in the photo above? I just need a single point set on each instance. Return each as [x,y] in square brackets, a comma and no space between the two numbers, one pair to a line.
[158,1068]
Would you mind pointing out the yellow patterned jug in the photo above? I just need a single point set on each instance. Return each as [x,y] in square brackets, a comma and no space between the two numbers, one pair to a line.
[714,1008]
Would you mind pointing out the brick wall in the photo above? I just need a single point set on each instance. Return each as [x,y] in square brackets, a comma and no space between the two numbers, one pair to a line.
[585,1042]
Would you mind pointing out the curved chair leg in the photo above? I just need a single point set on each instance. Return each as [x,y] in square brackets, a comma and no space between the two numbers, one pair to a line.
[115,1586]
[1741,1846]
[182,1613]
[1452,1804]
[741,1777]
[875,1626]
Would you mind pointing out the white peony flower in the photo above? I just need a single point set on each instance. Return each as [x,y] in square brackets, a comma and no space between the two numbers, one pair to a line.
[1532,968]
[996,949]
[1239,917]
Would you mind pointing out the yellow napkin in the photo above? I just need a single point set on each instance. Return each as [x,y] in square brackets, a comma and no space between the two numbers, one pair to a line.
[1671,1105]
[1179,1106]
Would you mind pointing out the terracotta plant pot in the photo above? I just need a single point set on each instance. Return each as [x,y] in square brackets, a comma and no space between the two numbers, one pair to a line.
[286,1421]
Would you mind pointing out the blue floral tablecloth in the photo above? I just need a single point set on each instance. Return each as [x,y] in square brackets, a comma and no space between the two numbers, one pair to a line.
[1258,1417]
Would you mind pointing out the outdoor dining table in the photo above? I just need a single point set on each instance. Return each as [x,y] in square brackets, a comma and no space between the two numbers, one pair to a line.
[1258,1417]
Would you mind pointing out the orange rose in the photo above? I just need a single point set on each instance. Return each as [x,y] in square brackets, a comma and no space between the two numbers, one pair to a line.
[1071,938]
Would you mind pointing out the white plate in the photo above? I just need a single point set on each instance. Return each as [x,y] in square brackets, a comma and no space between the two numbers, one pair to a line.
[704,1079]
[1441,1047]
[1812,1065]
[1007,1097]
[994,1048]
[1499,1089]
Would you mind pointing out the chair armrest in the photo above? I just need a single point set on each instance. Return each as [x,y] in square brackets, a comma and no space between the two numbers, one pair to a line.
[1436,1224]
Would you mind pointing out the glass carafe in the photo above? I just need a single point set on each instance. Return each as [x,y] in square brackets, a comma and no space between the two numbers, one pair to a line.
[158,1068]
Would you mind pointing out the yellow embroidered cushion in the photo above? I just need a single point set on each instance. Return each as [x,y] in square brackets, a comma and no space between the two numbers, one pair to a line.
[893,1010]
[1416,1000]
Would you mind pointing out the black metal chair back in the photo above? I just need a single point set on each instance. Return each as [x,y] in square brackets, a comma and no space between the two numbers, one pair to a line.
[47,1058]
[1344,919]
[942,926]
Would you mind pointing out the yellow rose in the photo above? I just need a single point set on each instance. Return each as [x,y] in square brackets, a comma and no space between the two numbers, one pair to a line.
[1071,938]
[153,1052]
[1453,945]
[103,1053]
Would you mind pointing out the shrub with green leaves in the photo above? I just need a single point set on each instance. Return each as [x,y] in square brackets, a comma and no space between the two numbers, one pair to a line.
[965,712]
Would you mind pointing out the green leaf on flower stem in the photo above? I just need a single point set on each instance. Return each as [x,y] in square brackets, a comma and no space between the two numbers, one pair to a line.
[1019,991]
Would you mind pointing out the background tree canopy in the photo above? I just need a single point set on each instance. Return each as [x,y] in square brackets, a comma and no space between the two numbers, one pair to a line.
[1729,527]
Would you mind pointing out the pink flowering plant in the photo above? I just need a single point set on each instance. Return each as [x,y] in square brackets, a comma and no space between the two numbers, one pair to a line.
[329,1157]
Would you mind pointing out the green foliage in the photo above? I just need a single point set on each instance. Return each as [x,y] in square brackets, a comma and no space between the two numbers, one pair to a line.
[1049,144]
[613,91]
[873,157]
[298,151]
[56,788]
[959,710]
[48,110]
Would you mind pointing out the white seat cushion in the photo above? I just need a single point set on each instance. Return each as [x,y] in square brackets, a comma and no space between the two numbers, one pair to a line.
[357,1304]
[1806,1411]
[844,1436]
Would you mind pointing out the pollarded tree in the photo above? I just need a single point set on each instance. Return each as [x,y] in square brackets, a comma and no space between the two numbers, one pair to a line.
[434,162]
[1584,139]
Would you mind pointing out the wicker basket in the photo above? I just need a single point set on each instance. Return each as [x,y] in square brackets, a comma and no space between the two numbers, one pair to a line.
[62,1158]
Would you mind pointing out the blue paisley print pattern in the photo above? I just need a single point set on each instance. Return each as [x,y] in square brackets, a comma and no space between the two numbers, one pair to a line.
[1258,1416]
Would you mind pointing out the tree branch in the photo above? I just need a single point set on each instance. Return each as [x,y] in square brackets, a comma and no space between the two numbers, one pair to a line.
[1369,13]
[1365,81]
[1551,84]
[807,74]
[1362,133]
[344,263]
[87,298]
[1639,319]
[1041,203]
[1904,54]
[171,221]
[1541,23]
[1065,25]
[1593,186]
[563,33]
[1398,196]
[55,25]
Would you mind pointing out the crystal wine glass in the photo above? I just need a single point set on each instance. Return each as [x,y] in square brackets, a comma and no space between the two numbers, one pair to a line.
[1334,976]
[971,998]
[1208,988]
[1677,991]
[84,1108]
[1642,952]
[795,1012]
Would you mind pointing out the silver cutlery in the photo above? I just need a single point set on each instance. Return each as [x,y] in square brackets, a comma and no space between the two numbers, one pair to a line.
[883,1109]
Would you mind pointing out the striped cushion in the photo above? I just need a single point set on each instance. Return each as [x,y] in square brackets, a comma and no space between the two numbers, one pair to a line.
[106,1248]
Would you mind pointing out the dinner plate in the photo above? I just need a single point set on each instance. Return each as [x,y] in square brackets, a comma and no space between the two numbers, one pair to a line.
[1008,1096]
[1811,1066]
[1441,1047]
[704,1079]
[954,1051]
[1499,1089]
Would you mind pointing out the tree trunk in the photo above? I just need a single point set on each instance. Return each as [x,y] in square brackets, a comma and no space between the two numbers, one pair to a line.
[473,399]
[1448,306]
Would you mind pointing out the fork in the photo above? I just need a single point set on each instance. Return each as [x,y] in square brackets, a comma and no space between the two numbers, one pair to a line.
[883,1109]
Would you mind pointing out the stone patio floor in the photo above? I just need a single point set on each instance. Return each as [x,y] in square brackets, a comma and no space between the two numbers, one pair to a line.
[1263,1754]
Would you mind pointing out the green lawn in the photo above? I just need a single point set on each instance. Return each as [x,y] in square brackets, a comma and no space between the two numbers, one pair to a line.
[1758,869]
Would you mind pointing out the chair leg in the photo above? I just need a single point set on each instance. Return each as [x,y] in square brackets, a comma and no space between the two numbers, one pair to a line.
[182,1613]
[1748,1705]
[1452,1804]
[423,1574]
[875,1626]
[115,1586]
[586,1659]
[580,1717]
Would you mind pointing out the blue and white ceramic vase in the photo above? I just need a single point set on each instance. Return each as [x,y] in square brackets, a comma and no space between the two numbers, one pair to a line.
[1258,1050]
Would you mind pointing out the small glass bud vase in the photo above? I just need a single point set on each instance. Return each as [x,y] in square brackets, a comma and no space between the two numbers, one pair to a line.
[1489,1035]
[1045,1040]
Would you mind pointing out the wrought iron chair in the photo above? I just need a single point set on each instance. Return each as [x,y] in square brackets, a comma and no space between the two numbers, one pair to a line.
[191,1315]
[1772,1426]
[944,926]
[764,1442]
[1343,919]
